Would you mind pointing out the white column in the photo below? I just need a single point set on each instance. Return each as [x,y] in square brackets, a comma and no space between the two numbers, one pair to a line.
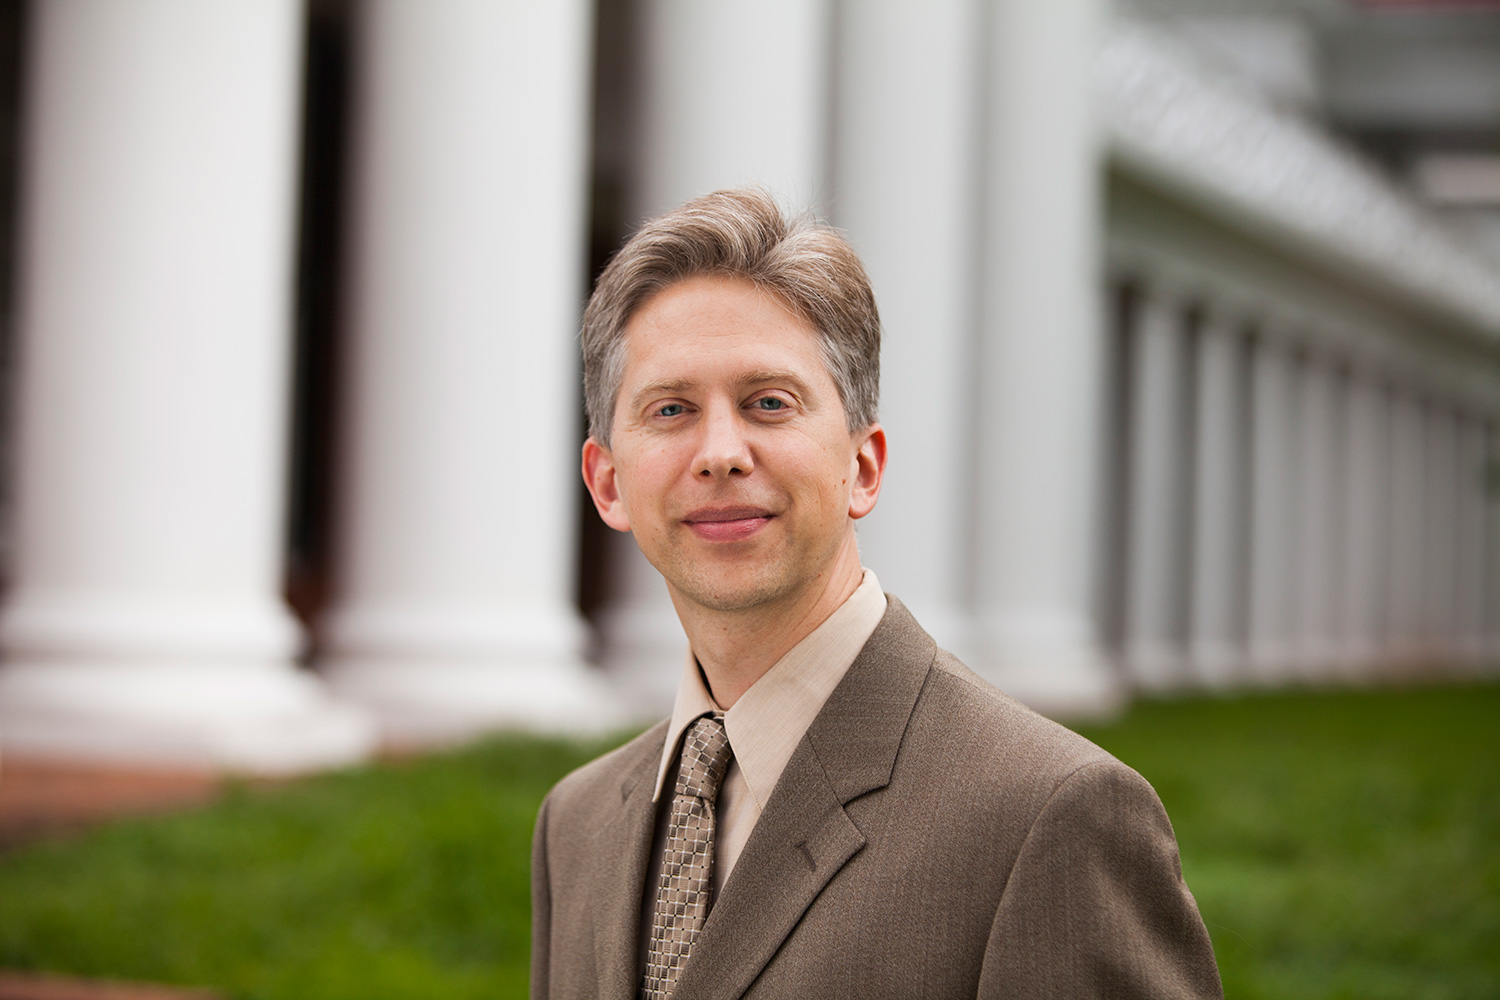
[1469,602]
[1440,524]
[144,621]
[1158,499]
[1492,544]
[732,92]
[906,176]
[1039,451]
[1220,507]
[1407,530]
[643,643]
[1320,512]
[1365,533]
[453,607]
[1274,491]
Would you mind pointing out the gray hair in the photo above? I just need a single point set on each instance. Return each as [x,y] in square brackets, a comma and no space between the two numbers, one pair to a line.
[742,234]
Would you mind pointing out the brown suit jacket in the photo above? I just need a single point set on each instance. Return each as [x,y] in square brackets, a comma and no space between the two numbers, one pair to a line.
[930,837]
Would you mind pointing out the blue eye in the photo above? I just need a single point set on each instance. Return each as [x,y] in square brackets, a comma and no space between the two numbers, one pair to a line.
[770,403]
[670,410]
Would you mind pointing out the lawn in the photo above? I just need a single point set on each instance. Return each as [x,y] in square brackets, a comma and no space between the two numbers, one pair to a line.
[1340,846]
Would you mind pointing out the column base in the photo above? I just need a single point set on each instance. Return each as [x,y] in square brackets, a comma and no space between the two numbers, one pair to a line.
[256,718]
[433,701]
[439,675]
[1156,667]
[1322,661]
[643,648]
[1274,664]
[1050,663]
[1217,666]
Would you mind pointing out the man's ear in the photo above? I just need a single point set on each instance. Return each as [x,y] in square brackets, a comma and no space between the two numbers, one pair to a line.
[869,470]
[604,485]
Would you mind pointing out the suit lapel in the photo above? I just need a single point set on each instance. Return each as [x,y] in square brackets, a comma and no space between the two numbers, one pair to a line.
[804,836]
[621,850]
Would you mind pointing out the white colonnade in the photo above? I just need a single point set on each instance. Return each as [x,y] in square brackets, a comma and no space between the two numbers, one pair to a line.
[905,172]
[1336,518]
[1039,449]
[1367,511]
[1490,480]
[1313,445]
[1220,484]
[1440,534]
[1275,572]
[453,607]
[1157,497]
[144,620]
[1470,534]
[1408,492]
[1320,505]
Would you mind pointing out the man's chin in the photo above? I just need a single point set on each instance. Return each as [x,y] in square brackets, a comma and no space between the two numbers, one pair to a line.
[729,596]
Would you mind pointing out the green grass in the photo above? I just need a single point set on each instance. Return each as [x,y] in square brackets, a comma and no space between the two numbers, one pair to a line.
[1340,846]
[400,880]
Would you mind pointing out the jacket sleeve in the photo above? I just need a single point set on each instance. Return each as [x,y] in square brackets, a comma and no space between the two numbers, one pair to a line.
[1096,905]
[541,908]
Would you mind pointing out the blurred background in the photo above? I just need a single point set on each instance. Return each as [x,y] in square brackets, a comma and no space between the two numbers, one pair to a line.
[1191,381]
[1191,373]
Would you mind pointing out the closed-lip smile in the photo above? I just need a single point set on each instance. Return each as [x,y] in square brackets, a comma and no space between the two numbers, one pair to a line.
[727,524]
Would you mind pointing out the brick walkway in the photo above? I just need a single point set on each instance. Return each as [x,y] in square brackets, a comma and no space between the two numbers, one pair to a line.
[44,799]
[26,986]
[41,799]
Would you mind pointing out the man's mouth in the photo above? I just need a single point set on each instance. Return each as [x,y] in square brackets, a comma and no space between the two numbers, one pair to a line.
[727,524]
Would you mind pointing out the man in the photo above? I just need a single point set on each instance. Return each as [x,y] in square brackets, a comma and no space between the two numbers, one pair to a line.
[836,807]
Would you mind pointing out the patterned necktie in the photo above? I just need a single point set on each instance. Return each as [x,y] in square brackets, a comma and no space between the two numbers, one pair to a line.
[682,893]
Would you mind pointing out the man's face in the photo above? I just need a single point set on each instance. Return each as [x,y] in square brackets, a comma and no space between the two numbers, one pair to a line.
[730,458]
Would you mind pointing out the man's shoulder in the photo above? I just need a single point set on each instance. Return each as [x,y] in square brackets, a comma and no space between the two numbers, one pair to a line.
[1003,722]
[964,728]
[611,776]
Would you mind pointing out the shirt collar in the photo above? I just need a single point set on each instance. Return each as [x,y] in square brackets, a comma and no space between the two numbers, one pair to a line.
[770,718]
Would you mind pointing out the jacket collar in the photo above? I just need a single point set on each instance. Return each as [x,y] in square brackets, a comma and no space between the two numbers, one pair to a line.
[622,847]
[805,836]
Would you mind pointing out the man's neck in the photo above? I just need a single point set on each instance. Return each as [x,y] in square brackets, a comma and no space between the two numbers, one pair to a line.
[736,648]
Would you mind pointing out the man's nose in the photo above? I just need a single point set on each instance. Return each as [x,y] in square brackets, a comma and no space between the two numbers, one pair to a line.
[723,449]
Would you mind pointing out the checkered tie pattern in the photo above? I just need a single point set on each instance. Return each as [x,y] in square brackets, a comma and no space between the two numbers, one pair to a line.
[682,893]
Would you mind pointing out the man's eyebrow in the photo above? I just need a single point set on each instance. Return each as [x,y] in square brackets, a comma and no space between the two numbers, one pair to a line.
[762,376]
[677,386]
[661,387]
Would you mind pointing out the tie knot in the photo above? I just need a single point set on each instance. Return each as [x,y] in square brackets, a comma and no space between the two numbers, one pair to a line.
[705,755]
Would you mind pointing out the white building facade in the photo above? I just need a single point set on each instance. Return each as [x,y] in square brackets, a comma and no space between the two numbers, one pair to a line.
[1182,393]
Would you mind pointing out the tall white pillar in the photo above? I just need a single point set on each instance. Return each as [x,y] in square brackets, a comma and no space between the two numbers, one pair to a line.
[1220,508]
[144,622]
[732,92]
[1274,491]
[1440,530]
[1407,489]
[906,176]
[1470,512]
[1365,534]
[1492,544]
[1157,537]
[453,606]
[1320,512]
[1039,452]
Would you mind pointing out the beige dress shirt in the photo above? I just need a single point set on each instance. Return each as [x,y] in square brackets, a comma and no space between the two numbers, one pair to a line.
[764,726]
